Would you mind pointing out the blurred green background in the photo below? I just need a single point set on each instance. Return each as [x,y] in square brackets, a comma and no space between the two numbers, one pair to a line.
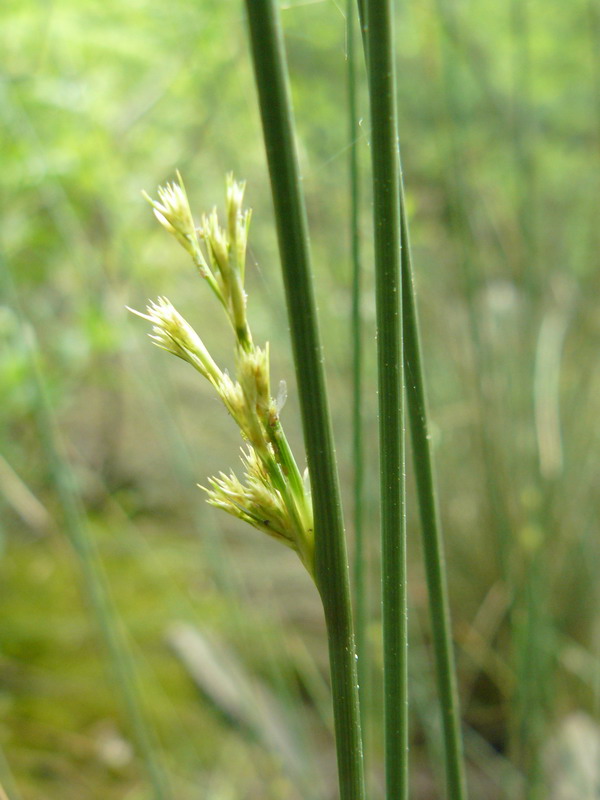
[103,438]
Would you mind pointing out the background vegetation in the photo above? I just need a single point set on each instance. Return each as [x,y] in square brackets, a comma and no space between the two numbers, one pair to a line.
[103,438]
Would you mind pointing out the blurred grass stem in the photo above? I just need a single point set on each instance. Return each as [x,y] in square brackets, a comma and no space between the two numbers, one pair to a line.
[8,788]
[93,578]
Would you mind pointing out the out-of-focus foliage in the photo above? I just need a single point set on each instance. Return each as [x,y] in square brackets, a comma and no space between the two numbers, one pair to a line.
[500,135]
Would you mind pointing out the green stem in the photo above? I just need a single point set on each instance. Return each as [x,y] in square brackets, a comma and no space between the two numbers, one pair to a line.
[386,200]
[286,459]
[331,564]
[433,547]
[238,308]
[360,554]
[295,508]
[206,273]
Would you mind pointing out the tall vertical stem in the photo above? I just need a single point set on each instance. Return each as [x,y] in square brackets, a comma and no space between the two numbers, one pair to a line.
[386,199]
[360,551]
[433,548]
[331,563]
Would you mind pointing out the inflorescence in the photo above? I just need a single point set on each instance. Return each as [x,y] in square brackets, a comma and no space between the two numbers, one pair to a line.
[273,497]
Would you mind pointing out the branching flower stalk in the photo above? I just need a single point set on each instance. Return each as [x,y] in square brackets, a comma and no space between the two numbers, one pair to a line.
[273,497]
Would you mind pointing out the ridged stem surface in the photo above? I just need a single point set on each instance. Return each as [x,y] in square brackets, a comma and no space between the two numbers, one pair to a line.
[360,571]
[433,549]
[331,562]
[386,206]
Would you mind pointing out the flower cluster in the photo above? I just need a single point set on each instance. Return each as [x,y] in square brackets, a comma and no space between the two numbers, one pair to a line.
[273,496]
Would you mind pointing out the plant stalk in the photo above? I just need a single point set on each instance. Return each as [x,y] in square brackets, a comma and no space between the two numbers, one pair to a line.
[331,563]
[433,548]
[388,242]
[360,570]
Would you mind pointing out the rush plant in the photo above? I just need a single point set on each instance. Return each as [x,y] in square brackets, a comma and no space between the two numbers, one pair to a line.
[273,495]
[303,509]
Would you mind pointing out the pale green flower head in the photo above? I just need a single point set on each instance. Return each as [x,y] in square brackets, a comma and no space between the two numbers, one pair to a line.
[171,332]
[233,398]
[260,504]
[253,371]
[272,497]
[238,220]
[217,247]
[226,249]
[172,210]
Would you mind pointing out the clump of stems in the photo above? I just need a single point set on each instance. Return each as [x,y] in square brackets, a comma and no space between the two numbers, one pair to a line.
[376,26]
[273,497]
